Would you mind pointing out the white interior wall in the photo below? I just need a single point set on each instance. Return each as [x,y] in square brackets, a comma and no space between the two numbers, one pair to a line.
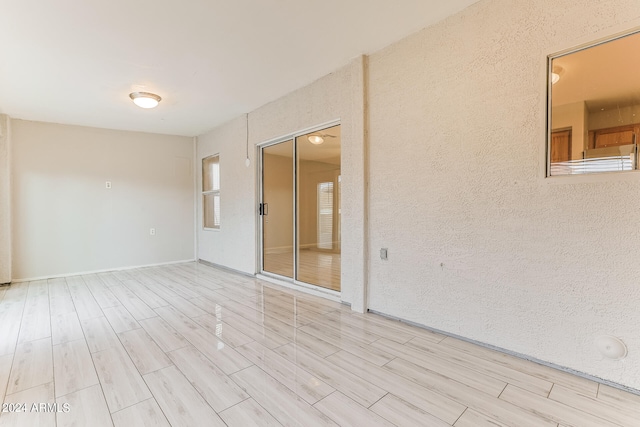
[480,243]
[5,197]
[573,116]
[65,220]
[234,244]
[278,178]
[339,95]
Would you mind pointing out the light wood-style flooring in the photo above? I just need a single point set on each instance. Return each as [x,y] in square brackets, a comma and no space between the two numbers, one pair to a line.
[190,345]
[315,267]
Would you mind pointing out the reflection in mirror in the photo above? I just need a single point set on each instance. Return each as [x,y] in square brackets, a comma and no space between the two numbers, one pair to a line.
[595,108]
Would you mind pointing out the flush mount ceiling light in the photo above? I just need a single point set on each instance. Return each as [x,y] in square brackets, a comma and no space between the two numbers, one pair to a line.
[145,99]
[315,139]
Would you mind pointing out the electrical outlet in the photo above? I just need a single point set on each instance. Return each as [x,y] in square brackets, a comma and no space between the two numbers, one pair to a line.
[383,253]
[152,231]
[107,184]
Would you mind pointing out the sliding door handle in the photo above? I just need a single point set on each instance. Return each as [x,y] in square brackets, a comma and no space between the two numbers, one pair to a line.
[263,209]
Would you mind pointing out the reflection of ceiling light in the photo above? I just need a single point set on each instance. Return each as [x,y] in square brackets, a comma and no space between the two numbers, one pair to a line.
[315,139]
[556,72]
[145,99]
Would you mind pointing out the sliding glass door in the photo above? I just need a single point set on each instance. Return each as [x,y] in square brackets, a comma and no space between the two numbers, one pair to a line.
[300,208]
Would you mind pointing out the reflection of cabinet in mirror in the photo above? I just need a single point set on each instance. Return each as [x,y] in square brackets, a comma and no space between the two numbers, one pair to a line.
[613,137]
[560,145]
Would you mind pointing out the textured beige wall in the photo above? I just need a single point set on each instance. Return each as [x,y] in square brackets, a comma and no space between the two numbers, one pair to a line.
[66,221]
[234,244]
[336,96]
[5,200]
[480,244]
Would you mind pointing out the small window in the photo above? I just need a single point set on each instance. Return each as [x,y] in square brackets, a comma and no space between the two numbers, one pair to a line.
[594,108]
[211,192]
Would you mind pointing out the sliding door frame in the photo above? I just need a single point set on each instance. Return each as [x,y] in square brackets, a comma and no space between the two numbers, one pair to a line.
[260,164]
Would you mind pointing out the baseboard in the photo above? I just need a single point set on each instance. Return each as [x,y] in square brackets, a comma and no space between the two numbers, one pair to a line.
[515,354]
[301,287]
[225,268]
[55,276]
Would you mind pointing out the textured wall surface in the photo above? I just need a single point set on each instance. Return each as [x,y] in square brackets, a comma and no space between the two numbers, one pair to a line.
[335,96]
[66,221]
[5,197]
[480,243]
[234,244]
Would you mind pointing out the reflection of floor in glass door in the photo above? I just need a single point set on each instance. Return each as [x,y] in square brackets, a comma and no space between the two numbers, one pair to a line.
[315,267]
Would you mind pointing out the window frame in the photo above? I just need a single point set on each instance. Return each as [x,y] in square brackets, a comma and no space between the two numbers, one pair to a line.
[211,192]
[546,175]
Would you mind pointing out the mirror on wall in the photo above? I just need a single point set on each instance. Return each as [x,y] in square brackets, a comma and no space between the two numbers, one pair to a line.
[594,108]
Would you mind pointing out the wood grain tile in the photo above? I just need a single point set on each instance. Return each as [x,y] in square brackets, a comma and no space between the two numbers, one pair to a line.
[86,306]
[5,371]
[36,320]
[120,319]
[180,401]
[121,383]
[434,403]
[144,414]
[471,418]
[167,338]
[345,412]
[581,385]
[283,404]
[224,356]
[144,352]
[65,327]
[509,414]
[461,373]
[290,374]
[213,384]
[73,367]
[255,331]
[551,409]
[222,331]
[402,413]
[354,386]
[32,415]
[99,334]
[146,295]
[138,309]
[248,414]
[427,350]
[11,317]
[87,407]
[60,301]
[100,291]
[363,350]
[32,365]
[619,398]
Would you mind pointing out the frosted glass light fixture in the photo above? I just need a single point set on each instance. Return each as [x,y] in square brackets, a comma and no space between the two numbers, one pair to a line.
[315,139]
[145,99]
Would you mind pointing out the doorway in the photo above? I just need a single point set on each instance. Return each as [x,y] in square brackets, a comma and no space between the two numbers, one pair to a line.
[300,208]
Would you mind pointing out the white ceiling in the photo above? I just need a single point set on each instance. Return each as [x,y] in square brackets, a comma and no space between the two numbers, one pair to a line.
[76,61]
